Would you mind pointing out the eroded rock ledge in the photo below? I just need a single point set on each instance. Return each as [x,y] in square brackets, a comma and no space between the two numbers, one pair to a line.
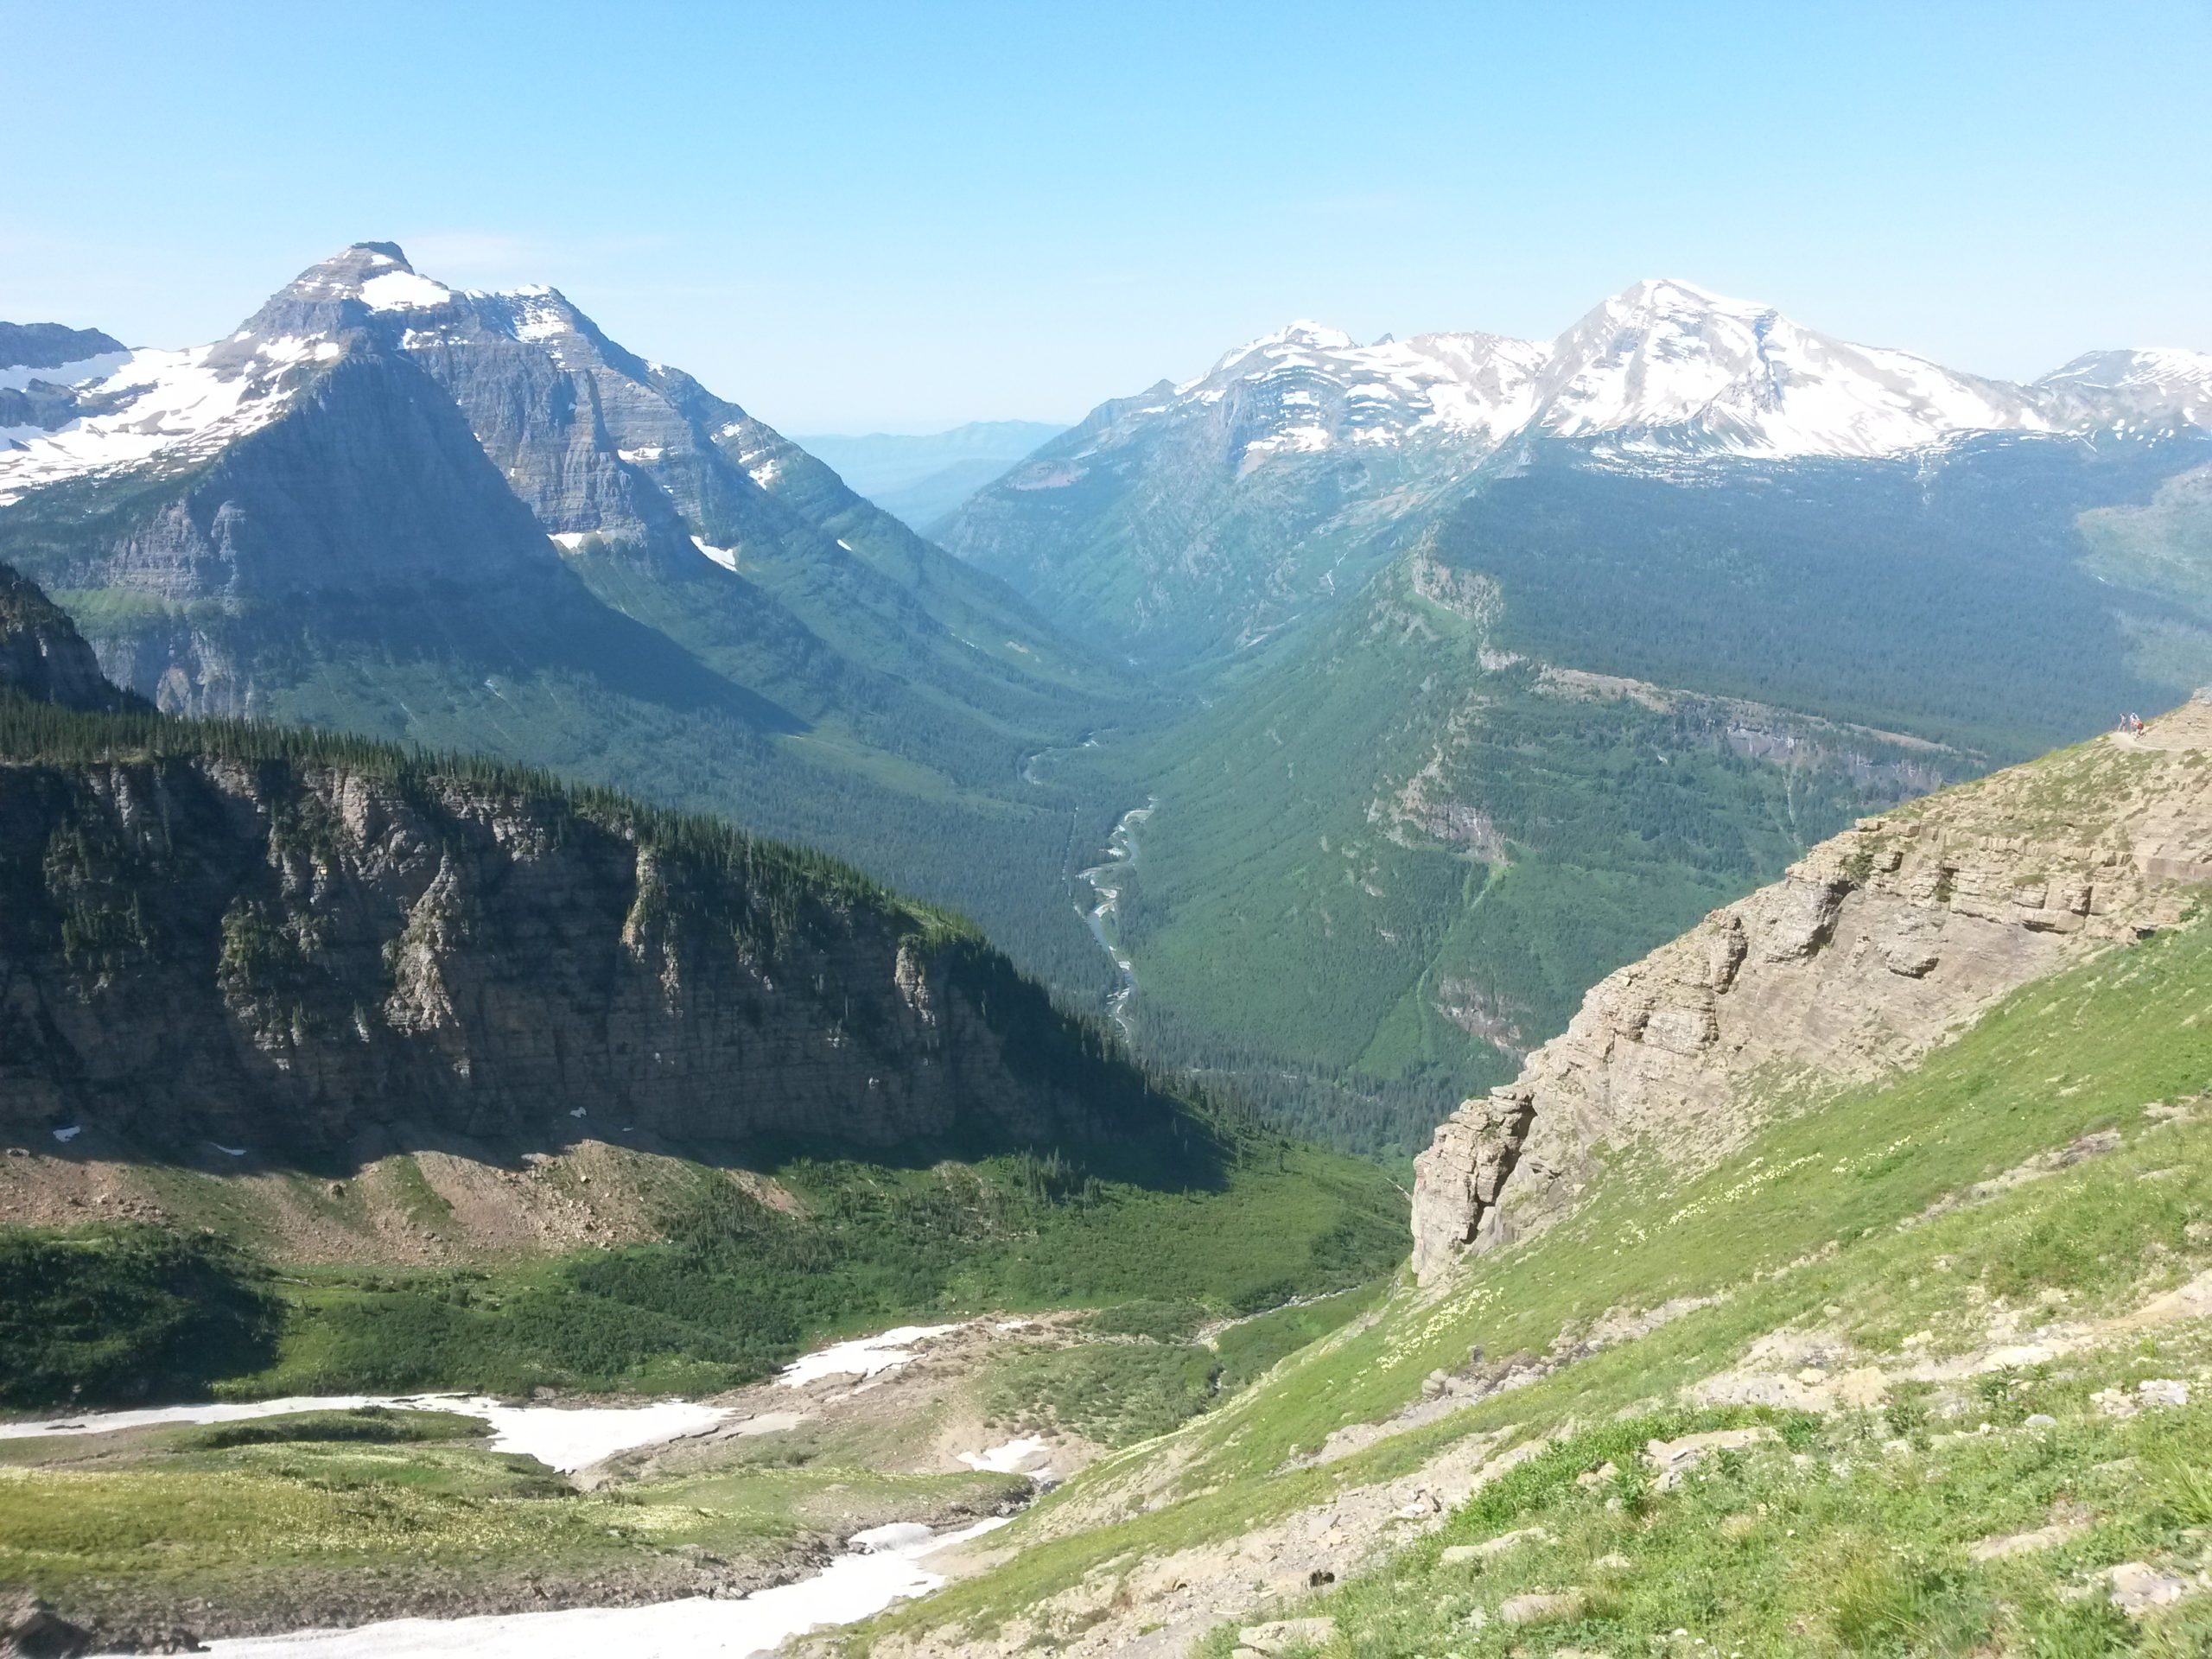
[1868,953]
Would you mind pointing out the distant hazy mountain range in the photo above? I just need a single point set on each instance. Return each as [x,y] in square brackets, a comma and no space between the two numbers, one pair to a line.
[1516,658]
[921,479]
[1195,517]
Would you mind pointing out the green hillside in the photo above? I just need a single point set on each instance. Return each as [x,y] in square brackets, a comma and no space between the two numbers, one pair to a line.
[1937,1298]
[1395,861]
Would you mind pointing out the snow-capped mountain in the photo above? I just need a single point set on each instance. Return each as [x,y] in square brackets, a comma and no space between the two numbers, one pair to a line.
[474,521]
[1668,368]
[1306,388]
[1662,368]
[1202,514]
[2158,392]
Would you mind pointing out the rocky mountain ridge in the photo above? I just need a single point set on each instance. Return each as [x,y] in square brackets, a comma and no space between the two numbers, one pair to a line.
[1878,944]
[1195,520]
[43,657]
[473,521]
[232,936]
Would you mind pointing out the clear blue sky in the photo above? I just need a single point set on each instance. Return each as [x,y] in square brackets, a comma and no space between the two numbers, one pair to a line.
[849,217]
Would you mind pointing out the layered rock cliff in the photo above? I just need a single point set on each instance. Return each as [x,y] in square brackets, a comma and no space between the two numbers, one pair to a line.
[306,945]
[43,657]
[282,952]
[1875,947]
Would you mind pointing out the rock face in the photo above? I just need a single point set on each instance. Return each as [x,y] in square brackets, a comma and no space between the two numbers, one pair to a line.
[43,657]
[322,950]
[1871,949]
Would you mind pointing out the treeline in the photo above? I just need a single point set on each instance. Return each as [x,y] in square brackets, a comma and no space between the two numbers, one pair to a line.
[39,733]
[1951,600]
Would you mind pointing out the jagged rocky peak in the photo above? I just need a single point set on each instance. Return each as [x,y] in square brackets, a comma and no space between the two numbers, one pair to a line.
[51,350]
[1876,946]
[43,657]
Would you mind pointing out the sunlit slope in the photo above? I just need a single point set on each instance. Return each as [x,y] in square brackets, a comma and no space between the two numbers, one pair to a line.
[1934,1298]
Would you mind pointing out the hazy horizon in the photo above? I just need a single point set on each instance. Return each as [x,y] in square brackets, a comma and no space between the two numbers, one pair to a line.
[865,218]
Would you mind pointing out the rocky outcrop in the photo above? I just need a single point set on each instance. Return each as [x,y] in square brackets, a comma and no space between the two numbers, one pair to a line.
[318,951]
[43,657]
[1875,947]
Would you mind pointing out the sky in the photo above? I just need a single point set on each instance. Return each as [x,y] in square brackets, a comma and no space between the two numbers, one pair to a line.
[859,217]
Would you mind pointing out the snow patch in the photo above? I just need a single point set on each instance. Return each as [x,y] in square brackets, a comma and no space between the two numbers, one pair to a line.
[175,407]
[864,1357]
[725,557]
[563,1438]
[1015,1457]
[884,1568]
[403,290]
[17,377]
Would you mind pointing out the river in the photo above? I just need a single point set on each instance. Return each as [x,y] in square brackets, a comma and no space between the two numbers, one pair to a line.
[1103,914]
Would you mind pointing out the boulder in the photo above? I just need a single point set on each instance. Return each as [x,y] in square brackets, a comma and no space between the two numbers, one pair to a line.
[32,1629]
[1672,1459]
[2139,1588]
[1460,1554]
[1542,1609]
[1286,1636]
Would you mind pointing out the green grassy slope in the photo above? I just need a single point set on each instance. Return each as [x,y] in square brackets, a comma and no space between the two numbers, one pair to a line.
[1293,905]
[1859,1223]
[1963,602]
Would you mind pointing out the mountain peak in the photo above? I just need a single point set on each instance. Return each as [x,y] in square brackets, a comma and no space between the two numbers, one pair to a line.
[1674,292]
[375,273]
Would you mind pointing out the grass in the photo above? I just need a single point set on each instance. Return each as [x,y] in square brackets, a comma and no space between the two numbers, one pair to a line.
[109,1314]
[1817,1224]
[303,1517]
[1820,1543]
[738,1288]
[1112,1393]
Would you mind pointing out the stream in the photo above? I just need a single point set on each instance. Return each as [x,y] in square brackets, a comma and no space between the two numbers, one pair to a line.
[1104,915]
[1103,912]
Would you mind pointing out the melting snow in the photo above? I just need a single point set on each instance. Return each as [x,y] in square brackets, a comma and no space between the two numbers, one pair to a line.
[864,1357]
[884,1567]
[64,1136]
[560,1437]
[1014,1457]
[725,557]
